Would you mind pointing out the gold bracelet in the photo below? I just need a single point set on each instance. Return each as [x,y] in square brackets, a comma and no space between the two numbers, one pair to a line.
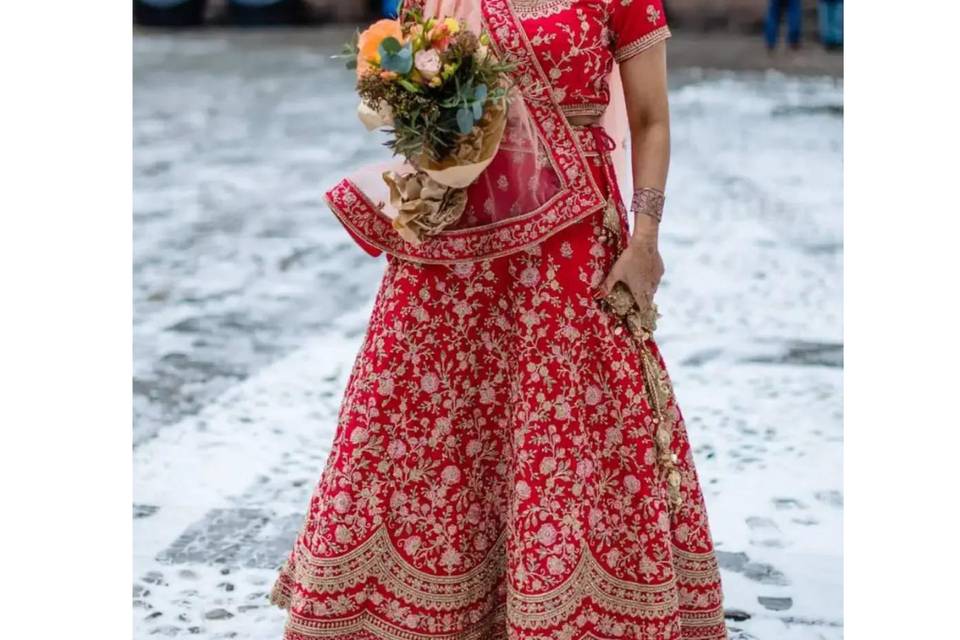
[649,202]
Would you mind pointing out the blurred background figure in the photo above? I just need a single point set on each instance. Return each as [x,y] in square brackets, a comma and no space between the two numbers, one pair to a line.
[389,8]
[771,31]
[831,24]
[169,13]
[265,12]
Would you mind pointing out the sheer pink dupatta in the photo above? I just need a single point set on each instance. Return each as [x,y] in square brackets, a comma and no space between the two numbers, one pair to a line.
[615,123]
[519,180]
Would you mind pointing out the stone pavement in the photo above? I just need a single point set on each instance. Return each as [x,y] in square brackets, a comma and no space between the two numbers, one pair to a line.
[250,303]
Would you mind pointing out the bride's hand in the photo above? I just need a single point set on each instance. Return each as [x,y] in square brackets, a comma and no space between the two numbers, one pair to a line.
[639,267]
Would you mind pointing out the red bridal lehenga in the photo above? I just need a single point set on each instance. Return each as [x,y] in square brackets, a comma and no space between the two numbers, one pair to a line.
[499,469]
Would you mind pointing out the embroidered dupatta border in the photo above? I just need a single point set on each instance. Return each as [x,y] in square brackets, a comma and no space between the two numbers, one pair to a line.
[578,197]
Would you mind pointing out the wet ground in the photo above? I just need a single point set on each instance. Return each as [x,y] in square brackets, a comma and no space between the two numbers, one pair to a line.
[250,302]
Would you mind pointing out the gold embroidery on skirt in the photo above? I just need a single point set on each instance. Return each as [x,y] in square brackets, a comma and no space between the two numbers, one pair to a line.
[460,599]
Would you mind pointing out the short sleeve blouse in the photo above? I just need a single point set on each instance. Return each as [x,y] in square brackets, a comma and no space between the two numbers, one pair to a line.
[636,25]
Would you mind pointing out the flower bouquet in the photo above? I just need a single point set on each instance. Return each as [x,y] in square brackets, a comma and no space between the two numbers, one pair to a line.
[442,95]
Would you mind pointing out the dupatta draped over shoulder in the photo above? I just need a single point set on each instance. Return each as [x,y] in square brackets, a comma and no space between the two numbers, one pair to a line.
[538,182]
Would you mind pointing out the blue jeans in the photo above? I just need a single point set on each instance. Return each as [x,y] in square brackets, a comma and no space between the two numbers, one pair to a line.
[771,31]
[389,8]
[831,22]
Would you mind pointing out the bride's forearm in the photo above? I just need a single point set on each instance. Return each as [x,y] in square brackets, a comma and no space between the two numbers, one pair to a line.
[651,161]
[648,112]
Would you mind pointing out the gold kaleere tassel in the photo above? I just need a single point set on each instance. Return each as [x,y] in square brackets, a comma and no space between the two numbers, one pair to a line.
[659,392]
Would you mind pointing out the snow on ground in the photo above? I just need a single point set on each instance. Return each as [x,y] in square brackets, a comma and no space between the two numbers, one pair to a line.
[250,303]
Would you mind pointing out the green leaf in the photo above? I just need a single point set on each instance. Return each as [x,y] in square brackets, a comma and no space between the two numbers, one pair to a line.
[480,93]
[464,120]
[409,86]
[350,52]
[390,45]
[400,60]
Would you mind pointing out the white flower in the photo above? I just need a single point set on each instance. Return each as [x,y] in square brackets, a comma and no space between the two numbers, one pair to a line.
[463,269]
[443,426]
[450,558]
[342,534]
[522,489]
[342,502]
[411,545]
[547,465]
[375,118]
[555,566]
[593,395]
[450,474]
[547,534]
[530,277]
[652,14]
[427,63]
[584,468]
[613,436]
[631,483]
[480,543]
[430,383]
[396,449]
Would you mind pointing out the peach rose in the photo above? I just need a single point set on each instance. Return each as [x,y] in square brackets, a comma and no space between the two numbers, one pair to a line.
[369,43]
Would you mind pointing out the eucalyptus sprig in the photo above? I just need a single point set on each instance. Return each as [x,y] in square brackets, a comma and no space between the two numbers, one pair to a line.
[349,51]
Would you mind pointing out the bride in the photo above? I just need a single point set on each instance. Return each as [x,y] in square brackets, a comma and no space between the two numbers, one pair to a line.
[510,461]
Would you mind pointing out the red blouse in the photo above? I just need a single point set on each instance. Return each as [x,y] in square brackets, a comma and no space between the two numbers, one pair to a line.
[577,41]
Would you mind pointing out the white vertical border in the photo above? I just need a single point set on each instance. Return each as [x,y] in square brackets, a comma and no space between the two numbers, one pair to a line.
[65,323]
[902,180]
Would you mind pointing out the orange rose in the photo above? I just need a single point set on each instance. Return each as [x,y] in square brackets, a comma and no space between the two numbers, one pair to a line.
[370,40]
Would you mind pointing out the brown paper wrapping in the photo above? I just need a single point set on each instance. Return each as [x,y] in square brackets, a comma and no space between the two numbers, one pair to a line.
[473,154]
[434,196]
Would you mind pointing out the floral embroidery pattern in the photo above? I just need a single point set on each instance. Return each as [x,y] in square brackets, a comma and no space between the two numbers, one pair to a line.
[496,452]
[653,14]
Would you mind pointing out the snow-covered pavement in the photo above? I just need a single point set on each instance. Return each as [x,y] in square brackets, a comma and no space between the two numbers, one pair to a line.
[251,301]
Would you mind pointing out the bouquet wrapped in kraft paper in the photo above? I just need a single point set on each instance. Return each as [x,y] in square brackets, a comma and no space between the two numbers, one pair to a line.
[436,86]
